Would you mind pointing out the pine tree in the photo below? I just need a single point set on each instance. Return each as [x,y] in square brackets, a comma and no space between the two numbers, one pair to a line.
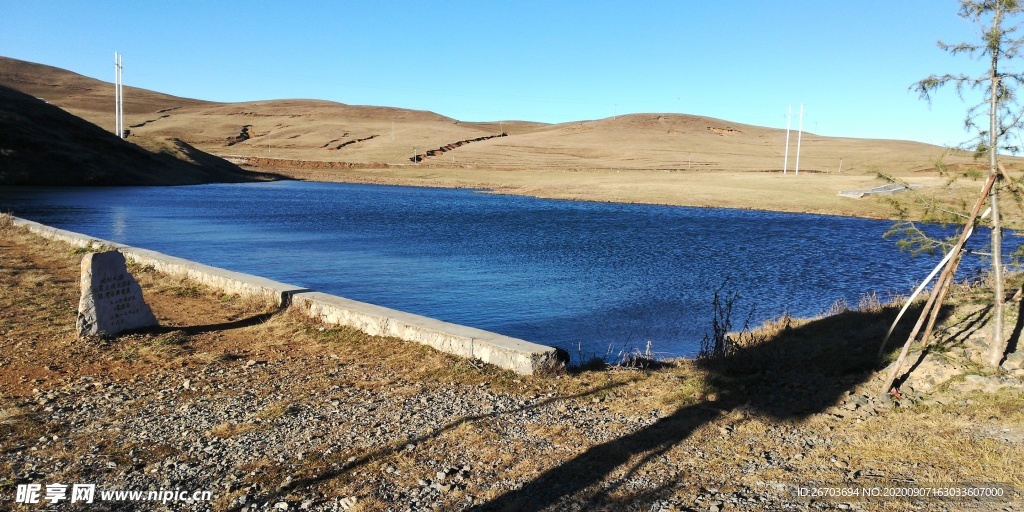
[1000,47]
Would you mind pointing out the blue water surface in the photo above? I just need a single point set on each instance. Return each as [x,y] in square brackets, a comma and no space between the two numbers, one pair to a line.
[591,278]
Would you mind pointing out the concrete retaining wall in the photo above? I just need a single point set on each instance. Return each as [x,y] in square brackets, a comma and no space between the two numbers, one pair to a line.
[503,351]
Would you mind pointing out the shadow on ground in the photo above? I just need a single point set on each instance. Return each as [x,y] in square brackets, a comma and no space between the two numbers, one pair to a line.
[791,374]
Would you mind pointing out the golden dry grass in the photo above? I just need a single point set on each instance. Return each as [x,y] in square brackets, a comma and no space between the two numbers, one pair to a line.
[229,429]
[643,158]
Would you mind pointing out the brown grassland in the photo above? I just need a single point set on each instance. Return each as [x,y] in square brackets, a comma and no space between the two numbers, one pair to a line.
[333,419]
[673,159]
[685,434]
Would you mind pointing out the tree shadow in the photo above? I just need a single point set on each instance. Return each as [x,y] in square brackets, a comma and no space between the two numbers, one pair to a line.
[397,446]
[966,327]
[790,373]
[1014,342]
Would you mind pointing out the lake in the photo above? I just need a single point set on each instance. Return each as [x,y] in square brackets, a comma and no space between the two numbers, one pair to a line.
[591,278]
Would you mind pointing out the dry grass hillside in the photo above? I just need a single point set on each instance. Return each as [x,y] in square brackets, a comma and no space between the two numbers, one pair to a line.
[315,130]
[85,97]
[41,144]
[681,142]
[644,158]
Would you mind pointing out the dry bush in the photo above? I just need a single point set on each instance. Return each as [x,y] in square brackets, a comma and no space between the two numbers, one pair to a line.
[870,303]
[163,349]
[723,341]
[838,307]
[278,410]
[229,429]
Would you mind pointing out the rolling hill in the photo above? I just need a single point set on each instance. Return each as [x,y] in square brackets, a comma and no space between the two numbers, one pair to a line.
[295,132]
[41,144]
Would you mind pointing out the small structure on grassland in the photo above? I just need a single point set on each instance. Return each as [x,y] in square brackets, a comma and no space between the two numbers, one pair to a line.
[111,298]
[884,190]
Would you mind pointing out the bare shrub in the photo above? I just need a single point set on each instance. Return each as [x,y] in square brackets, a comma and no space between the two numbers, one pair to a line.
[870,303]
[722,342]
[838,307]
[637,359]
[6,222]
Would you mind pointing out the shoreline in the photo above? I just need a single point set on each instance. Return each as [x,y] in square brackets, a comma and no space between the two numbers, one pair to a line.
[809,193]
[505,352]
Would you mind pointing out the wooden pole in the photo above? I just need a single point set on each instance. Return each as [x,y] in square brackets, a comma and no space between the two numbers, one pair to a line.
[943,291]
[906,306]
[942,288]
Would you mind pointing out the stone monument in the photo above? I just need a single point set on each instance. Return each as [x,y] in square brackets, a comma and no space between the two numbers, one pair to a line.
[111,298]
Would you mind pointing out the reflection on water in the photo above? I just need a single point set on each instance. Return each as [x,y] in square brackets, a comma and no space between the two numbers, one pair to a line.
[119,221]
[600,276]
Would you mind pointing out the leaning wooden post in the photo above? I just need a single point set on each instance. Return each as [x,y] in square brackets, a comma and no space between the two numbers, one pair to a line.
[910,300]
[913,335]
[935,301]
[943,291]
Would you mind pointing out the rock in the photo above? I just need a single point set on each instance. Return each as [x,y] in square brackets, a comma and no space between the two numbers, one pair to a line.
[976,350]
[930,374]
[980,383]
[1014,361]
[111,300]
[347,503]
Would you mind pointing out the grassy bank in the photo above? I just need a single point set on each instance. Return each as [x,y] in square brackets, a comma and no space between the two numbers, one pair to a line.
[816,193]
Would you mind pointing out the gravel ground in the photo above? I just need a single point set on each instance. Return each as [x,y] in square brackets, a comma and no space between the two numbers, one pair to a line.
[291,434]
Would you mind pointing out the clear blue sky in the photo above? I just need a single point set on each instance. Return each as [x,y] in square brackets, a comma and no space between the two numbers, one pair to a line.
[849,62]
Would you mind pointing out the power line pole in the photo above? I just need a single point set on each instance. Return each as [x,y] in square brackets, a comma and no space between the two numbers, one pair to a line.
[785,159]
[118,96]
[799,137]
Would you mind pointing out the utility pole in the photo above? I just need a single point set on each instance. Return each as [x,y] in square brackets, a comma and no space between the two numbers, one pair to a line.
[118,96]
[799,136]
[117,100]
[785,159]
